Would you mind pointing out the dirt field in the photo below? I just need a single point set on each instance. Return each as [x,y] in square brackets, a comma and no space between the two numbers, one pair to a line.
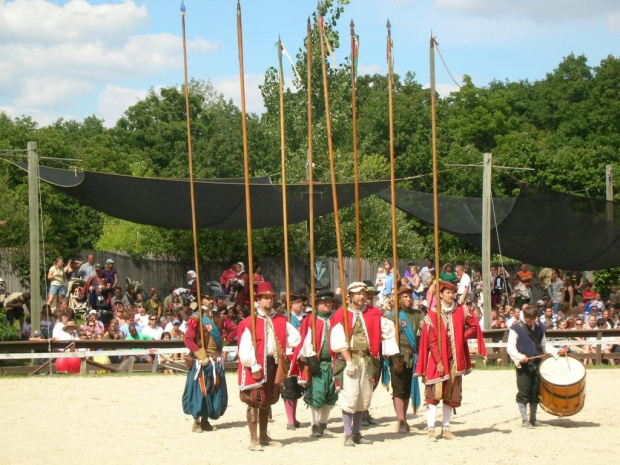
[138,419]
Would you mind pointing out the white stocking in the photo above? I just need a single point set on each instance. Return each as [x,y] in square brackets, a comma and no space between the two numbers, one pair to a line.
[446,414]
[324,413]
[431,414]
[314,416]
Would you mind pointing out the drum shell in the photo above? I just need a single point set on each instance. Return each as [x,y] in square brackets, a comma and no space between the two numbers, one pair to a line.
[562,400]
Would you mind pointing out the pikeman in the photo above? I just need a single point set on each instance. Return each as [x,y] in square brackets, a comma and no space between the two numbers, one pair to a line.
[442,363]
[258,367]
[291,391]
[205,395]
[313,351]
[404,385]
[356,361]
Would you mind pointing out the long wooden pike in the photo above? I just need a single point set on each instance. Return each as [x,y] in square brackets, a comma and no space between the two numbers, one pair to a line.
[311,188]
[246,170]
[283,163]
[332,166]
[393,180]
[191,178]
[435,194]
[358,234]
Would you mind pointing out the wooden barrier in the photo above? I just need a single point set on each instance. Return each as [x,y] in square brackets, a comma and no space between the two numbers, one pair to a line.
[86,349]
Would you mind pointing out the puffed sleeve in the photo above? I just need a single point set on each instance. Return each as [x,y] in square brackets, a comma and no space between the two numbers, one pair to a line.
[247,356]
[293,338]
[388,336]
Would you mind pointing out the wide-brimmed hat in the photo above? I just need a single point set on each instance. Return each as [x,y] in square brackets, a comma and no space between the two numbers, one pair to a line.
[325,294]
[298,295]
[447,285]
[70,324]
[356,287]
[370,287]
[264,288]
[404,290]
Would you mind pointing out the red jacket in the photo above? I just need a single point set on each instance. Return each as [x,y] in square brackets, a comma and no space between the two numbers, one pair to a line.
[372,319]
[465,327]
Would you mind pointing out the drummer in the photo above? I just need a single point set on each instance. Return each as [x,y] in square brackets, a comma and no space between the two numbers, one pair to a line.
[526,346]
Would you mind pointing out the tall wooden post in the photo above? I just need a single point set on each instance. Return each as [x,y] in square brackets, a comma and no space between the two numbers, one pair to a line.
[609,192]
[35,249]
[486,238]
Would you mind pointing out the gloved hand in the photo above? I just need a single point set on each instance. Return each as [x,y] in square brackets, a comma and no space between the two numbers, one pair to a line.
[313,364]
[202,357]
[351,369]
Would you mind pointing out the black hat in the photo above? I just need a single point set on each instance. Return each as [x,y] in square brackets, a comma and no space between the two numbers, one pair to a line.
[325,294]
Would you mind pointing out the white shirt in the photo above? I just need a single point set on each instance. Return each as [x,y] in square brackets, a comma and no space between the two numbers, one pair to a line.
[247,354]
[464,286]
[517,356]
[155,332]
[142,320]
[338,340]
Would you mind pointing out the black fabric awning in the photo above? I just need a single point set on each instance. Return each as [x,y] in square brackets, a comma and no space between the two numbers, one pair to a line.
[220,203]
[540,227]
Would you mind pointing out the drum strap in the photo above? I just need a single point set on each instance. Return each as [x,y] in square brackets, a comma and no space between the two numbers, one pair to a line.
[532,336]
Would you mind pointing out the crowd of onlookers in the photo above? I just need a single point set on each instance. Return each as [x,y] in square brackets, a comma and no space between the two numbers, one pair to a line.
[110,312]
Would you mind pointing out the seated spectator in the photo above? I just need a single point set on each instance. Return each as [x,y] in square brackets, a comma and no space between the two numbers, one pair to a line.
[582,348]
[166,358]
[168,299]
[69,332]
[134,335]
[142,318]
[117,296]
[153,329]
[92,324]
[614,295]
[549,319]
[154,306]
[515,316]
[175,332]
[46,321]
[130,295]
[601,324]
[62,318]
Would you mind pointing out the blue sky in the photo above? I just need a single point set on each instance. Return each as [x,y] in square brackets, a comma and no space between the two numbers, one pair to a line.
[74,58]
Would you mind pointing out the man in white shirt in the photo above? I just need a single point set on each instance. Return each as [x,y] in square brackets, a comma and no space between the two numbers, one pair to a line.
[87,270]
[152,329]
[464,288]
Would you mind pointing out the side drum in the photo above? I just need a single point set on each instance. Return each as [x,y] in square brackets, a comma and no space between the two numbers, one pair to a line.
[562,386]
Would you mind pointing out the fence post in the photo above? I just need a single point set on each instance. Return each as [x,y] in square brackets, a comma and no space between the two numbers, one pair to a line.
[599,351]
[504,349]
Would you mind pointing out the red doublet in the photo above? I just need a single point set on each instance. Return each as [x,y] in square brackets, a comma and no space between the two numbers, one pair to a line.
[318,339]
[465,327]
[246,380]
[372,320]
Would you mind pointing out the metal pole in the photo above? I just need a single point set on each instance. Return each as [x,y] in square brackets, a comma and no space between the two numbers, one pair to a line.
[486,238]
[283,163]
[246,171]
[35,250]
[609,192]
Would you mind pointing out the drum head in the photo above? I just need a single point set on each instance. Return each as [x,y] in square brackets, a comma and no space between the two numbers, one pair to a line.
[563,371]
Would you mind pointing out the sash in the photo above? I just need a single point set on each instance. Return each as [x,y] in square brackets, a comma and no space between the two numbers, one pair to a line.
[214,331]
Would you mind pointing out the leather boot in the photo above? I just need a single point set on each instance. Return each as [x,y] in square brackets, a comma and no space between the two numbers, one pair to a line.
[252,418]
[263,419]
[322,428]
[196,427]
[206,426]
[316,431]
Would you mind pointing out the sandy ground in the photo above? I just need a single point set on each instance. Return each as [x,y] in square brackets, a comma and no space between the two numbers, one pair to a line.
[122,419]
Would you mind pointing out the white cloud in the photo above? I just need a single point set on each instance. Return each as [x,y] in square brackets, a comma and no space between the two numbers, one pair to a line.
[547,11]
[443,89]
[43,117]
[614,22]
[368,69]
[230,88]
[51,91]
[76,20]
[114,100]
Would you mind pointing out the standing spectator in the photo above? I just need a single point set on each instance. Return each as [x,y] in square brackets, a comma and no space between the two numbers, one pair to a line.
[614,295]
[448,274]
[525,275]
[380,281]
[87,269]
[500,290]
[192,285]
[569,292]
[557,290]
[258,275]
[110,274]
[227,276]
[544,280]
[427,272]
[520,293]
[70,270]
[56,277]
[14,305]
[242,285]
[388,287]
[464,288]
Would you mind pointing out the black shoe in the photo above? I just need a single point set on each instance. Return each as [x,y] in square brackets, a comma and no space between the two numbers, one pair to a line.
[322,427]
[291,426]
[316,431]
[359,439]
